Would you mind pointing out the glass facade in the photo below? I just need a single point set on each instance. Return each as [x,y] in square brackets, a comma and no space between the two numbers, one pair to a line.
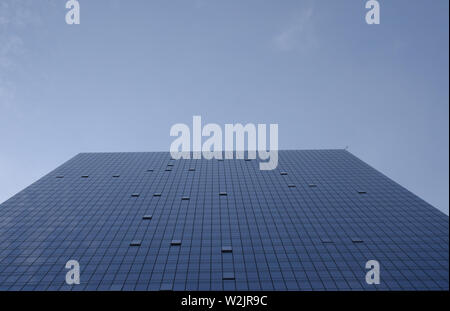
[142,221]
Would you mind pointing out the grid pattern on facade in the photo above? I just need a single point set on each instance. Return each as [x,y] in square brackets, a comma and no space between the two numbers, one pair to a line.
[142,221]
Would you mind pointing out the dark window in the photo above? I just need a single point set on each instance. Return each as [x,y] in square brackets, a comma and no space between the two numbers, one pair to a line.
[227,249]
[356,240]
[135,243]
[228,276]
[175,242]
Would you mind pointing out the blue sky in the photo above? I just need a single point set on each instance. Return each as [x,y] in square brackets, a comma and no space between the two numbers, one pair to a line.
[132,69]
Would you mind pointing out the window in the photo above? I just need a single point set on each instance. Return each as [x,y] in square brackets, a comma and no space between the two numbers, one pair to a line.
[223,193]
[292,186]
[60,176]
[362,192]
[147,217]
[84,176]
[283,173]
[116,176]
[228,276]
[175,242]
[185,198]
[356,240]
[312,185]
[135,243]
[116,287]
[135,195]
[227,249]
[192,169]
[326,240]
[157,194]
[166,287]
[150,170]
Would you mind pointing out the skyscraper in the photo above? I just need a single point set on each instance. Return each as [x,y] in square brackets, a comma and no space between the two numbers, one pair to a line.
[142,221]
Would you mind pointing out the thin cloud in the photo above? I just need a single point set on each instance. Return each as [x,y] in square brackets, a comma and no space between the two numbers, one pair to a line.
[15,18]
[299,34]
[7,94]
[10,47]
